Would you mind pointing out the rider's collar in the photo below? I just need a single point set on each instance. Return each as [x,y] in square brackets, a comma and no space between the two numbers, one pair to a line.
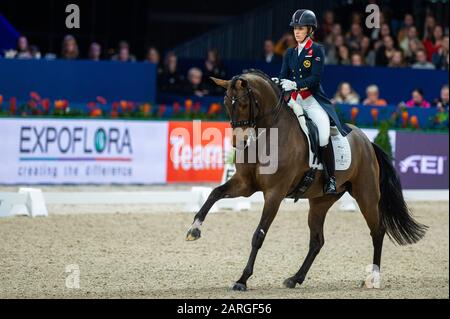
[305,44]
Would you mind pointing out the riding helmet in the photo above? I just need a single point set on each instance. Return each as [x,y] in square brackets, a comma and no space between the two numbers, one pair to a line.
[304,17]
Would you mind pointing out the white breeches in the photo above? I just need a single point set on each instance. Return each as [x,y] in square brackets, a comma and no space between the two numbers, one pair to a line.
[317,114]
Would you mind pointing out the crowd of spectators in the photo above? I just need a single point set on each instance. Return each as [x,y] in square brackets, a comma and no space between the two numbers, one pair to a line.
[391,45]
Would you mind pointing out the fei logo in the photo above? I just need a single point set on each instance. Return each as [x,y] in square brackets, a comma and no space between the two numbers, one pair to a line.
[423,164]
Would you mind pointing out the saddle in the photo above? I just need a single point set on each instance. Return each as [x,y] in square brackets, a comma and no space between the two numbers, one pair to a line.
[341,148]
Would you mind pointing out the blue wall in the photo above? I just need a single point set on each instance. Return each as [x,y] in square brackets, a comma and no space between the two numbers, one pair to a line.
[78,81]
[395,84]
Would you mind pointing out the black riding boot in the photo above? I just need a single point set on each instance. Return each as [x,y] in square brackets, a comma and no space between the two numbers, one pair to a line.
[327,155]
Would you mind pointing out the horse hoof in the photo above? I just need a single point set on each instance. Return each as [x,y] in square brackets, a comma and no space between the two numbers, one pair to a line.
[290,283]
[239,287]
[193,234]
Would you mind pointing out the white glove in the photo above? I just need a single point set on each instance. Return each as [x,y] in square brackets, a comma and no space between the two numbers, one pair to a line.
[276,80]
[288,85]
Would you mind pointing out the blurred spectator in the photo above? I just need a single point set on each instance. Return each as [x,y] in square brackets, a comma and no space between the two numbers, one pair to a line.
[69,48]
[332,56]
[345,94]
[411,34]
[442,101]
[343,57]
[270,57]
[330,39]
[154,57]
[440,58]
[357,59]
[385,52]
[397,60]
[384,32]
[23,50]
[414,46]
[35,53]
[430,23]
[408,23]
[433,43]
[123,53]
[354,37]
[373,96]
[421,61]
[417,99]
[95,52]
[170,80]
[194,84]
[213,68]
[287,41]
[367,52]
[327,25]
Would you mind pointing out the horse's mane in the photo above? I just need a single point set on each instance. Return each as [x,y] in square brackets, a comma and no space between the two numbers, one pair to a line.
[265,77]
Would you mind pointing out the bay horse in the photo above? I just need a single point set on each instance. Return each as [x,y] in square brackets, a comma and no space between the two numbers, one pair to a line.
[253,100]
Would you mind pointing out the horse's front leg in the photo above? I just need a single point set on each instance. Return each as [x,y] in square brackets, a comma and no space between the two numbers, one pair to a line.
[234,187]
[272,203]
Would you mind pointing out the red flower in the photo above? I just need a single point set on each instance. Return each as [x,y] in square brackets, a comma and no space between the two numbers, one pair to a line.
[1,99]
[176,107]
[374,113]
[92,105]
[354,113]
[32,104]
[35,96]
[101,100]
[114,113]
[161,110]
[12,105]
[197,107]
[115,106]
[45,105]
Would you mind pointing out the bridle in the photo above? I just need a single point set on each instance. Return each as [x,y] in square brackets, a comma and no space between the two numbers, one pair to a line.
[253,107]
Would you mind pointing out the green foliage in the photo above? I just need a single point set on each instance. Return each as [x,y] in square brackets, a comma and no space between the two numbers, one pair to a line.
[382,139]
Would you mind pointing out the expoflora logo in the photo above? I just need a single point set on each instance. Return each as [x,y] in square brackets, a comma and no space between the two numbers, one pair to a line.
[74,140]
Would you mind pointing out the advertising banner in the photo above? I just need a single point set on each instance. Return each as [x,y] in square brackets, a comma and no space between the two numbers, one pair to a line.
[197,151]
[60,151]
[422,160]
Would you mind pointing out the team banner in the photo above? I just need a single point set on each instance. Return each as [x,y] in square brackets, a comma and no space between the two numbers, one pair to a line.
[57,151]
[422,160]
[197,151]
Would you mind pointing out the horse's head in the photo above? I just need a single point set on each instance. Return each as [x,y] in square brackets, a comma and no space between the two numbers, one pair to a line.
[242,103]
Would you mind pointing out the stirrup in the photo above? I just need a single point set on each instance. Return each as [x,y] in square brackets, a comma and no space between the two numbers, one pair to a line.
[330,186]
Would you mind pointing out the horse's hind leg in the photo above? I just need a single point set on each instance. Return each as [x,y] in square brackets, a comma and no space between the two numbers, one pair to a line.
[234,187]
[367,195]
[318,208]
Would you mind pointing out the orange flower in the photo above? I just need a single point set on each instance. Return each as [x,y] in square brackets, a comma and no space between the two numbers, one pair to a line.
[123,105]
[59,104]
[354,113]
[146,108]
[414,121]
[405,117]
[374,113]
[214,108]
[188,104]
[96,112]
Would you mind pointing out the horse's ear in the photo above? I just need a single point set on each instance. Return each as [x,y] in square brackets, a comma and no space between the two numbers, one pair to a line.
[241,84]
[222,83]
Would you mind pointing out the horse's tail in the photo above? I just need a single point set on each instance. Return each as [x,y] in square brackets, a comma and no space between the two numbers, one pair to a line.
[395,214]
